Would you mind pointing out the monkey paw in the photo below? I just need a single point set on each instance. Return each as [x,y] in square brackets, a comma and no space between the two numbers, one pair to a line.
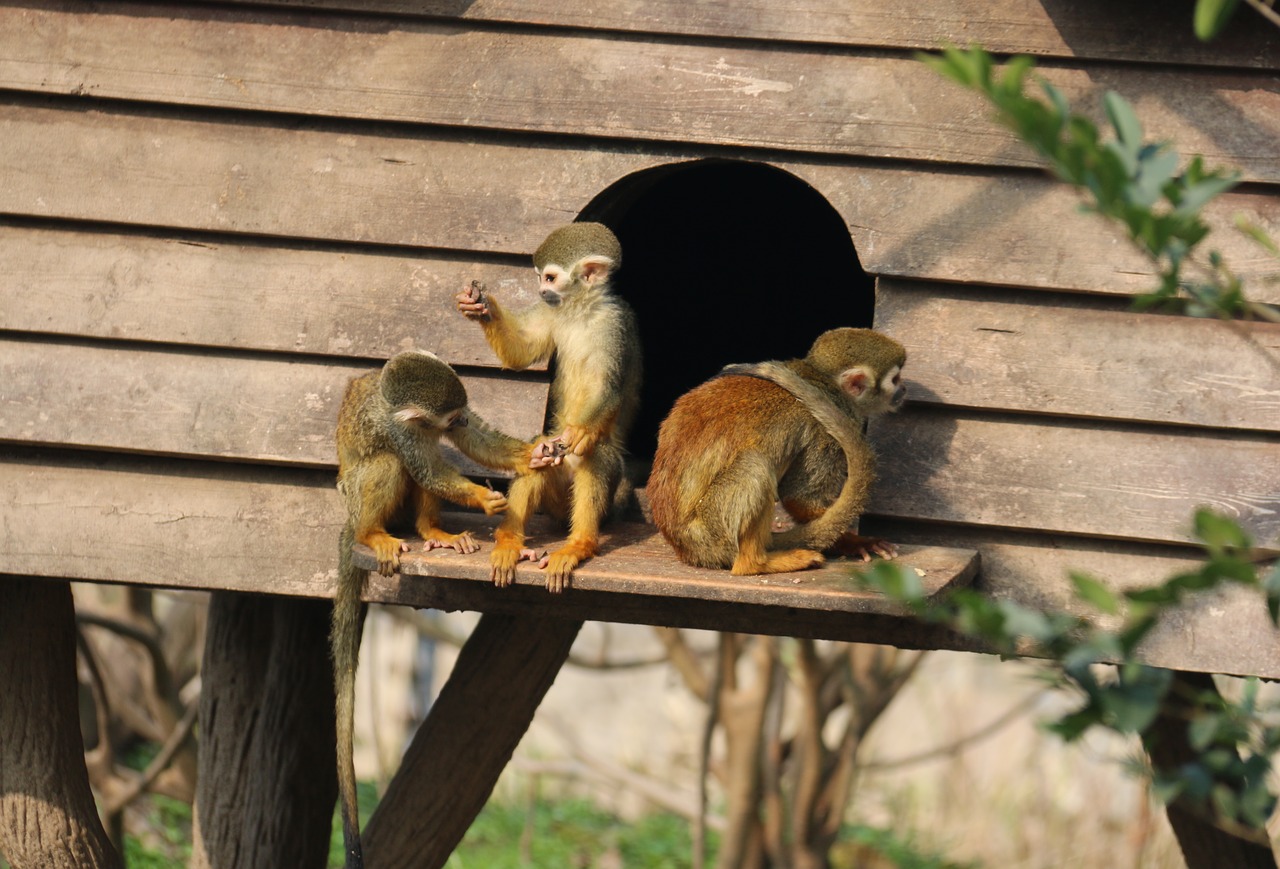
[464,542]
[502,565]
[471,302]
[559,566]
[851,545]
[387,551]
[491,502]
[578,440]
[546,454]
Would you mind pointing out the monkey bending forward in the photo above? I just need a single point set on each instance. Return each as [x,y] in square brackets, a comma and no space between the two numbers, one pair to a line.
[595,391]
[390,466]
[732,447]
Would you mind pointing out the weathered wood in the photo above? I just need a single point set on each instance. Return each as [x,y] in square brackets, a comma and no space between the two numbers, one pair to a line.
[194,404]
[634,559]
[998,350]
[1058,28]
[268,530]
[1204,844]
[1083,479]
[583,84]
[1226,630]
[48,819]
[447,774]
[267,779]
[220,293]
[170,524]
[443,193]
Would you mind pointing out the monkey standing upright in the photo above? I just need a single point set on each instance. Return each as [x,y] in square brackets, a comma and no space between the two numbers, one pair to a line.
[595,390]
[756,434]
[390,466]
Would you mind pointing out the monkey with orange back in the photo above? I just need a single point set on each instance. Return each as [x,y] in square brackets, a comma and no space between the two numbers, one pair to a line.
[595,391]
[390,466]
[776,431]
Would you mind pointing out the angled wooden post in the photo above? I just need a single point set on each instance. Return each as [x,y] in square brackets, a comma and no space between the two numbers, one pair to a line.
[448,773]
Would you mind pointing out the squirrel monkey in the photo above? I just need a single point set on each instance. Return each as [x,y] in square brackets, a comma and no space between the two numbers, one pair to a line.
[390,466]
[756,434]
[595,391]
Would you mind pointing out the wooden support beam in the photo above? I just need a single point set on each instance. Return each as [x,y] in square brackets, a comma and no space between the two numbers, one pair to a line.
[267,773]
[1204,845]
[448,773]
[48,819]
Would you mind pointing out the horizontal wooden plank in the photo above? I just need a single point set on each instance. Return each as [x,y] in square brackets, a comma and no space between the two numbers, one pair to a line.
[584,84]
[246,296]
[1059,28]
[1053,475]
[366,187]
[634,559]
[275,532]
[276,410]
[1223,631]
[1005,352]
[175,524]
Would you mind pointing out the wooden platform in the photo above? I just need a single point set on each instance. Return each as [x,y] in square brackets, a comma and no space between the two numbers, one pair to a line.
[637,579]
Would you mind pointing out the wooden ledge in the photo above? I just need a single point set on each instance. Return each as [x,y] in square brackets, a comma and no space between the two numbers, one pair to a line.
[637,579]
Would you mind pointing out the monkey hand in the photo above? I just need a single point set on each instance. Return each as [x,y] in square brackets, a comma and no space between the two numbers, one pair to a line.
[490,501]
[464,542]
[387,550]
[546,454]
[579,440]
[471,302]
[853,545]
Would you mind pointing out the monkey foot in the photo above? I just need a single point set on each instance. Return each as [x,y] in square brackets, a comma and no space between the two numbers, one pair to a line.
[387,550]
[785,561]
[434,538]
[851,545]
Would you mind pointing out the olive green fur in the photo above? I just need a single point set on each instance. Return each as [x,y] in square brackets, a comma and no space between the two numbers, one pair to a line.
[841,349]
[570,243]
[419,379]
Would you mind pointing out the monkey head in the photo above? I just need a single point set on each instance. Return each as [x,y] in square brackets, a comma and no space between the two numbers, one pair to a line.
[865,365]
[423,390]
[575,256]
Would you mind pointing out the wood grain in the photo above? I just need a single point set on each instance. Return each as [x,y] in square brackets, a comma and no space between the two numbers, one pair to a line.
[1058,28]
[221,293]
[634,559]
[505,198]
[191,404]
[174,524]
[1078,478]
[584,84]
[1226,630]
[1003,351]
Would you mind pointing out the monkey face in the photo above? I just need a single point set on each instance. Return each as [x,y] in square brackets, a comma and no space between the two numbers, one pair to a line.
[552,283]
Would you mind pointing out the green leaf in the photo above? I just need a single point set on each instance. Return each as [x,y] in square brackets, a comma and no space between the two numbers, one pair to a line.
[1089,589]
[1271,585]
[1127,126]
[1218,531]
[1211,16]
[1257,233]
[1202,731]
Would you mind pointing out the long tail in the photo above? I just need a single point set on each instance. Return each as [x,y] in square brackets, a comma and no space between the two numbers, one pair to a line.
[847,432]
[344,641]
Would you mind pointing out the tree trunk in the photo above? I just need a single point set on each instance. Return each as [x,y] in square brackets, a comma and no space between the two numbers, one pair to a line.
[267,780]
[48,819]
[449,771]
[1204,846]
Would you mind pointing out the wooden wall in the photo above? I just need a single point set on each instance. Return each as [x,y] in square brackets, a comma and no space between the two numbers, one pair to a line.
[213,214]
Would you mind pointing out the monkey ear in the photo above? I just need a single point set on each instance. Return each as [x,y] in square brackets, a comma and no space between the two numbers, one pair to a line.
[855,381]
[409,414]
[593,269]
